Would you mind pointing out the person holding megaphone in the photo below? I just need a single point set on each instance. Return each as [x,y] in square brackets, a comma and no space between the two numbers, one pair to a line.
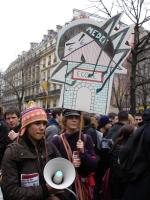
[24,160]
[78,149]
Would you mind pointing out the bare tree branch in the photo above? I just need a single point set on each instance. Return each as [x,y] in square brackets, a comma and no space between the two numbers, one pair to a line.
[143,59]
[103,8]
[145,20]
[143,83]
[144,41]
[126,9]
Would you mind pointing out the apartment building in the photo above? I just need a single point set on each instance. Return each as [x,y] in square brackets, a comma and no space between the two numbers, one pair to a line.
[27,78]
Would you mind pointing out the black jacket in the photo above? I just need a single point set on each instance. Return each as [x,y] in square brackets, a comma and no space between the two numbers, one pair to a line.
[114,131]
[3,138]
[23,158]
[140,189]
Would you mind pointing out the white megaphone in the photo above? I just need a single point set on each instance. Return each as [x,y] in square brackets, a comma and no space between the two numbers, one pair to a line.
[59,173]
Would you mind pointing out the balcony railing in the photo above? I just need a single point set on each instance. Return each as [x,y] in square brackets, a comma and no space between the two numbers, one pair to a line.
[54,92]
[42,94]
[31,97]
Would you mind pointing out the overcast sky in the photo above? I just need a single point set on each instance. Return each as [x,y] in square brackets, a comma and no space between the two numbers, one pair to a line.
[25,21]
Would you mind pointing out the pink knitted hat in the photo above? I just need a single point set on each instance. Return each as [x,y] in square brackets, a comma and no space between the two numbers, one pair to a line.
[31,115]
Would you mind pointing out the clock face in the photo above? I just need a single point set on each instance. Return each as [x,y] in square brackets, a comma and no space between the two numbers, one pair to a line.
[77,42]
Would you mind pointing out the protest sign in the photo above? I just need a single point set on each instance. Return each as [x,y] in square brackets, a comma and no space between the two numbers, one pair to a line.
[90,53]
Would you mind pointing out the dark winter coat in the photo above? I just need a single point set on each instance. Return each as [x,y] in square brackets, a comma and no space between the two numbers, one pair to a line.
[52,129]
[114,131]
[23,158]
[139,189]
[89,130]
[3,138]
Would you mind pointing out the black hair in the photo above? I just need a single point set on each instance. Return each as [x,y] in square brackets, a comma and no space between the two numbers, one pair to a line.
[124,133]
[112,115]
[87,119]
[12,110]
[138,114]
[56,111]
[122,116]
[1,110]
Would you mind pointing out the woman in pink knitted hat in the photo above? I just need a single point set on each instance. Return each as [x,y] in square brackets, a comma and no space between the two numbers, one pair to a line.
[24,160]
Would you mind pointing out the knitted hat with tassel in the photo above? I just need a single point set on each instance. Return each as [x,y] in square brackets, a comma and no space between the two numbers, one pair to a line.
[31,115]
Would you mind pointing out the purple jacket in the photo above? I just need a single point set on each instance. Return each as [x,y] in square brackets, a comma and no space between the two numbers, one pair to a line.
[88,158]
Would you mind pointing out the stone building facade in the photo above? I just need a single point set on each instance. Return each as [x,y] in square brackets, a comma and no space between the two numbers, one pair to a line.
[27,78]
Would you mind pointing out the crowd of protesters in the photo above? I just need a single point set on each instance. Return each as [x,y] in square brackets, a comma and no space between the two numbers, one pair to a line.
[28,140]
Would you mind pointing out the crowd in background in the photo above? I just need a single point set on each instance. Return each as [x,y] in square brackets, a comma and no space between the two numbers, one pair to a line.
[28,140]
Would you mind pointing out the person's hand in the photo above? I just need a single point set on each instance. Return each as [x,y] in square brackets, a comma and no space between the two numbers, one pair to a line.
[12,135]
[53,191]
[80,146]
[50,189]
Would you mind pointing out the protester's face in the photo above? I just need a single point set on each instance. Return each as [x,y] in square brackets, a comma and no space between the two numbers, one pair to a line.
[137,119]
[12,120]
[72,123]
[115,120]
[108,126]
[36,130]
[59,117]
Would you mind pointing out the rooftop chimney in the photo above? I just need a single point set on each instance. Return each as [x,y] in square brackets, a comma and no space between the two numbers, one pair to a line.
[51,33]
[58,28]
[45,37]
[33,45]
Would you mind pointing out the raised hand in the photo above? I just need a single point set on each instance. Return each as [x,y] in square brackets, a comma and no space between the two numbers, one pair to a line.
[12,135]
[80,146]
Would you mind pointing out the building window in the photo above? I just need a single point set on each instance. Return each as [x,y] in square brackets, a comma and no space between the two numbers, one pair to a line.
[55,58]
[54,103]
[44,76]
[44,62]
[54,85]
[49,60]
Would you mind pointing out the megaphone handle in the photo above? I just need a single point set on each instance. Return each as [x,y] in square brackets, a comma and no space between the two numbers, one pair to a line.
[72,193]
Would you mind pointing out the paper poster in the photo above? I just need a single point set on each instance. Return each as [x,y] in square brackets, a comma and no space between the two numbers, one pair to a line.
[28,180]
[90,53]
